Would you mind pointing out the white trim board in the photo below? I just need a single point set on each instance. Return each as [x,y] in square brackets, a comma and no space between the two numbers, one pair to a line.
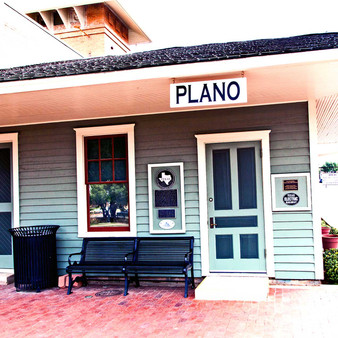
[317,234]
[202,141]
[81,133]
[13,139]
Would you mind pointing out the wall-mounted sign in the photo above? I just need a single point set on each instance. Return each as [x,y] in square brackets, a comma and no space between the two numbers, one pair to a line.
[291,198]
[290,185]
[207,93]
[166,213]
[166,198]
[165,179]
[291,192]
[167,224]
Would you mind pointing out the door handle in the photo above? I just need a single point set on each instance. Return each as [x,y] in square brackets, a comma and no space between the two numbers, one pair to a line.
[212,224]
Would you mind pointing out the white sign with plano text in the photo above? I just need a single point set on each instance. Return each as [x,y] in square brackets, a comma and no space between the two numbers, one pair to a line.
[207,93]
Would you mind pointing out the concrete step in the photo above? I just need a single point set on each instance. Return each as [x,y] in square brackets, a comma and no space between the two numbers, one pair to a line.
[6,278]
[233,287]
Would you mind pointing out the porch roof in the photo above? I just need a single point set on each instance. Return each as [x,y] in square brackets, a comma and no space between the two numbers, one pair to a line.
[174,56]
[294,69]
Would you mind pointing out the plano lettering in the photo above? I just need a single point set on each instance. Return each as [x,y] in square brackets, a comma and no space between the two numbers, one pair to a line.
[204,93]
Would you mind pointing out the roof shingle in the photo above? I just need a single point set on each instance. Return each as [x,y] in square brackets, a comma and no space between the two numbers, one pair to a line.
[174,56]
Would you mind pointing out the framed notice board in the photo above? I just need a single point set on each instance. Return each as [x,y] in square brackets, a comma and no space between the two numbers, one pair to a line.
[291,192]
[166,198]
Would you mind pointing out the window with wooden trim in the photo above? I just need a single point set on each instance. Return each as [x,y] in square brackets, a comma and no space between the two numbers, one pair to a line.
[106,176]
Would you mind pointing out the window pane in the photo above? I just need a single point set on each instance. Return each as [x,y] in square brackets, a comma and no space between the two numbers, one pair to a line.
[92,149]
[93,171]
[106,148]
[120,170]
[106,171]
[119,147]
[108,205]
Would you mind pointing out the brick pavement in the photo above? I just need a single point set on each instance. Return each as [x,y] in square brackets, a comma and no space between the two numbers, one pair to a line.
[159,310]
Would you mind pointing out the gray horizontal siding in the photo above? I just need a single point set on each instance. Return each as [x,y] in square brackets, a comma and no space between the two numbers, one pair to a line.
[48,172]
[293,245]
[293,232]
[47,166]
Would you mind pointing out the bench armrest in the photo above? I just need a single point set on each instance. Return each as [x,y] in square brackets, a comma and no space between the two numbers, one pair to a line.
[76,253]
[187,257]
[128,254]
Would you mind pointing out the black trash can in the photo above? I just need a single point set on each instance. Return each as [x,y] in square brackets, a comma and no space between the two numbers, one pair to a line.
[34,249]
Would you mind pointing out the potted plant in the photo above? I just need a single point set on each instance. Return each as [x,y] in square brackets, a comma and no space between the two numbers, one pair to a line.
[330,241]
[331,265]
[325,227]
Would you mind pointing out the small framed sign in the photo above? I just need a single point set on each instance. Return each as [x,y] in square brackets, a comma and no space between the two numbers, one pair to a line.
[166,198]
[291,192]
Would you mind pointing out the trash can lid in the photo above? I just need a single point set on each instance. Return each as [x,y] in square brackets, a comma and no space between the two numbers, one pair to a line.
[34,230]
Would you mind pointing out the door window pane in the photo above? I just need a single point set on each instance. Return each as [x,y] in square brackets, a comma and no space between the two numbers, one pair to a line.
[249,246]
[247,178]
[236,222]
[5,236]
[224,247]
[5,176]
[222,179]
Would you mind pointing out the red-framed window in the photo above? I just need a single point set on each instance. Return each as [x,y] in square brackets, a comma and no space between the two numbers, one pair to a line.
[107,183]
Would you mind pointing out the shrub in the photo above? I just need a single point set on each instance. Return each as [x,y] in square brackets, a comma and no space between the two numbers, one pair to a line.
[331,265]
[324,224]
[333,231]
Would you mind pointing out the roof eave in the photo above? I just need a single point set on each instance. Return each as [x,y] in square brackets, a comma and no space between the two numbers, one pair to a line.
[181,71]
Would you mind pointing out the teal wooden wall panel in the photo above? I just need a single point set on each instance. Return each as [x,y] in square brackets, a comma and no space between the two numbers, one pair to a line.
[289,266]
[290,225]
[294,258]
[307,275]
[48,171]
[288,217]
[294,251]
[291,241]
[293,233]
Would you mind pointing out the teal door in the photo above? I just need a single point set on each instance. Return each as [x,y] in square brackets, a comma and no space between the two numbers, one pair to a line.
[6,208]
[235,207]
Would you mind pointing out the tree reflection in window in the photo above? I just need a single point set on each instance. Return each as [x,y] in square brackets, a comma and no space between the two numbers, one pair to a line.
[108,205]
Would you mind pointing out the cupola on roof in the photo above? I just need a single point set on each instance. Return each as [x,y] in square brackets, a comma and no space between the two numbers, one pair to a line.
[94,28]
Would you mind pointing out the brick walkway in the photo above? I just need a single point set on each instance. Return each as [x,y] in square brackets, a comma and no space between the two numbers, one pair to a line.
[159,310]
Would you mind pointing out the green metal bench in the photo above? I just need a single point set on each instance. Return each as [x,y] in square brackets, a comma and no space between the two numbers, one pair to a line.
[100,256]
[134,256]
[159,256]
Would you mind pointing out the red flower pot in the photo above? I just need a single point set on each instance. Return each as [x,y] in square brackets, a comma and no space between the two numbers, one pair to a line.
[330,242]
[325,230]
